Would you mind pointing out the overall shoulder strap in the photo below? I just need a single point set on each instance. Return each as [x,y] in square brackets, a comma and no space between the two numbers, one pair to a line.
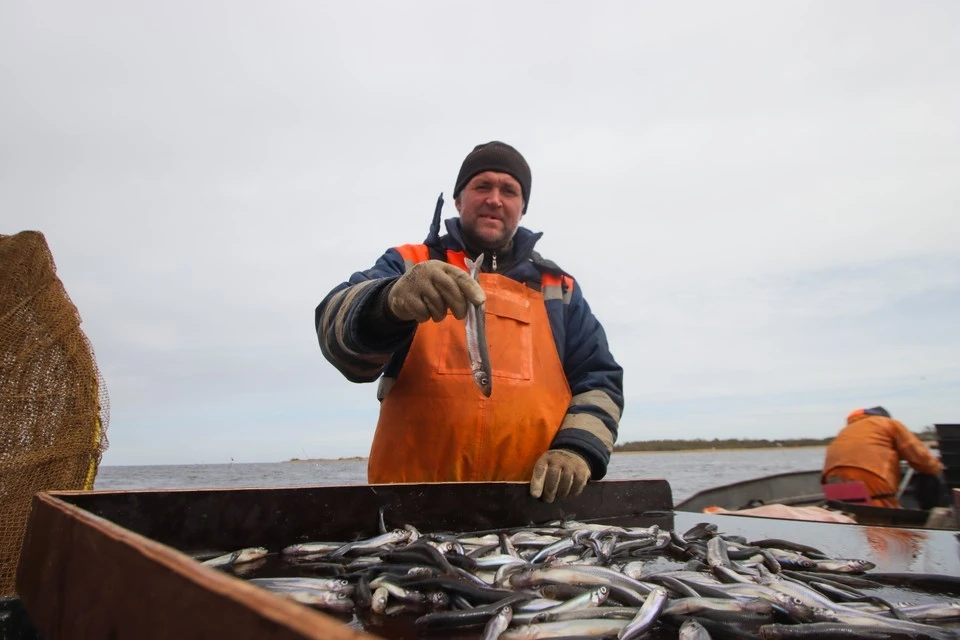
[437,253]
[550,275]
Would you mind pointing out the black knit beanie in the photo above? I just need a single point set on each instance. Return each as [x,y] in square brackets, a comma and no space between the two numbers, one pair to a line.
[495,156]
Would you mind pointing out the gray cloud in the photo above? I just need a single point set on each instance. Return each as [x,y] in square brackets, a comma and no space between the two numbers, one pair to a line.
[758,199]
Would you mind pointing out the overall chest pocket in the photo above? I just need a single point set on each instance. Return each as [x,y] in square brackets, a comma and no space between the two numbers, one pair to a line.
[509,339]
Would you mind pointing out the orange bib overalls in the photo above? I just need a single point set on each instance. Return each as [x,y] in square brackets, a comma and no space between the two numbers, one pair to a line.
[436,426]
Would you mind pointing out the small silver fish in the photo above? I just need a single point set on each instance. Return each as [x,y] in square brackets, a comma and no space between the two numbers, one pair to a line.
[380,542]
[476,323]
[237,557]
[646,615]
[328,600]
[599,628]
[841,565]
[303,582]
[693,630]
[311,548]
[378,603]
[498,624]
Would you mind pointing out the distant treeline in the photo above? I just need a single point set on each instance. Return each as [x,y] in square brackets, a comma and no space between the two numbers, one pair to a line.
[927,435]
[716,443]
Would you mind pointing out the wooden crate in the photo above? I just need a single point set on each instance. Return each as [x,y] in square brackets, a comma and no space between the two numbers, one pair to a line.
[118,565]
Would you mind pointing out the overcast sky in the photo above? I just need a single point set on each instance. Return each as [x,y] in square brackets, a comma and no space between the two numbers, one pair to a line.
[760,200]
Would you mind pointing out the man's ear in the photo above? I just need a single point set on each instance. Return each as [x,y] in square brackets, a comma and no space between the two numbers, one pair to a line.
[456,203]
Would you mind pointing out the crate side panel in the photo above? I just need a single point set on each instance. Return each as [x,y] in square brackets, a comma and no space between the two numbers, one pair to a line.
[83,577]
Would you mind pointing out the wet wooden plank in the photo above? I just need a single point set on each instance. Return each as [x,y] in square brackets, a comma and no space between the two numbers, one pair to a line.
[275,517]
[81,576]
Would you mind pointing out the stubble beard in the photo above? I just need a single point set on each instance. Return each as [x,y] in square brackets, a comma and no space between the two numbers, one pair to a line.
[496,244]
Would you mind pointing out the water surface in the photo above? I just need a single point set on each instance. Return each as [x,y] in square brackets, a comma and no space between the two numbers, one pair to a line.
[687,472]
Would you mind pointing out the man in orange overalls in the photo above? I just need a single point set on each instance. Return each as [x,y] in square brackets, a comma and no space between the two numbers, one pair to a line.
[557,392]
[869,450]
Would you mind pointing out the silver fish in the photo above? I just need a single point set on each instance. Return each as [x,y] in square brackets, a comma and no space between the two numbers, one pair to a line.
[717,555]
[646,616]
[598,628]
[311,548]
[304,583]
[379,600]
[476,323]
[397,536]
[693,630]
[398,592]
[623,589]
[586,600]
[590,613]
[844,565]
[237,557]
[328,600]
[721,609]
[933,612]
[247,568]
[498,624]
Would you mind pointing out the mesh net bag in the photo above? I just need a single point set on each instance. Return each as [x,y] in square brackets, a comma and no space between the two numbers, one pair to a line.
[53,403]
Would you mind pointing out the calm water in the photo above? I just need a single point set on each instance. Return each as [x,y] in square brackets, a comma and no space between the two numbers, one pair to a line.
[687,473]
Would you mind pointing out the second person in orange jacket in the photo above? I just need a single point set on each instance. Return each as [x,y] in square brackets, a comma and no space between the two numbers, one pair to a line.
[869,449]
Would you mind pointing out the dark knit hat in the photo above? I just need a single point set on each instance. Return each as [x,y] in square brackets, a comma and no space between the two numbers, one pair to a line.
[495,156]
[872,411]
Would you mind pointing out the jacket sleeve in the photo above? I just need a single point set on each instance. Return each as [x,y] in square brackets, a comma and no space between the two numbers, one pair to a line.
[359,354]
[596,384]
[915,452]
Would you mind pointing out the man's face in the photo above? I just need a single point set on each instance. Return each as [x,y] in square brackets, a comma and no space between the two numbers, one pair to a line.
[490,207]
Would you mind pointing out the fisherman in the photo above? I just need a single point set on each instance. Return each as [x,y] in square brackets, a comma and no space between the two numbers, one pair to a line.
[556,392]
[869,450]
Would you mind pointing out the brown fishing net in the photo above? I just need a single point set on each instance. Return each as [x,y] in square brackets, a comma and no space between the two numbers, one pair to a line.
[53,402]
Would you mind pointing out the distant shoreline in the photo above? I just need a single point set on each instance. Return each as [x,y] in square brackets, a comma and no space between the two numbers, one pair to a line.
[703,450]
[348,459]
[715,449]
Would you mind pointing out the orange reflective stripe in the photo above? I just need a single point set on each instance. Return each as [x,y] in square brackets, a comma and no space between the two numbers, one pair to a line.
[414,253]
[554,280]
[556,287]
[456,258]
[436,426]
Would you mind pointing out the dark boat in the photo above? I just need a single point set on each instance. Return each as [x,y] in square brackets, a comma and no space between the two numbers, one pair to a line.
[802,489]
[796,488]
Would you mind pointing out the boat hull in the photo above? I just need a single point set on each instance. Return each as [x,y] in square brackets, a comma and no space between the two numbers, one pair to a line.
[802,489]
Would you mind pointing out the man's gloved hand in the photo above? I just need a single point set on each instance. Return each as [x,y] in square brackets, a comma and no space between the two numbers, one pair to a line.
[558,474]
[429,288]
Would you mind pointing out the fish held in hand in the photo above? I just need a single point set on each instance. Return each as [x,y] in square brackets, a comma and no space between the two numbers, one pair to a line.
[476,323]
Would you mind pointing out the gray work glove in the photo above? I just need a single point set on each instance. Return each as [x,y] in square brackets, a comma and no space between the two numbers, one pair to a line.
[558,474]
[429,288]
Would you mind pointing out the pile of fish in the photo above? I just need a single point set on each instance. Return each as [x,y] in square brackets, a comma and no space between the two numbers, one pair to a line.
[577,580]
